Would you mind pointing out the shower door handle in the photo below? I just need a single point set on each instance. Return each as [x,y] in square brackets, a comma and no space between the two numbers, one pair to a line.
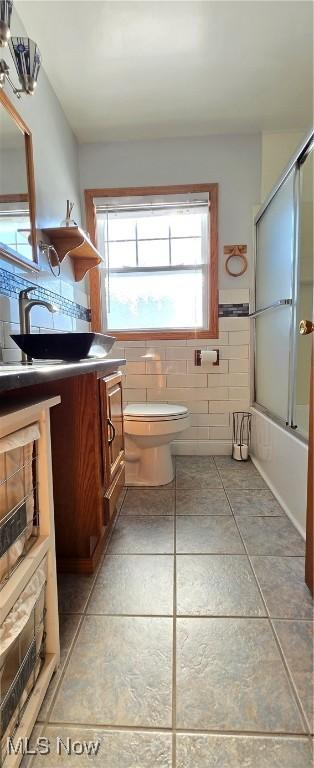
[306,327]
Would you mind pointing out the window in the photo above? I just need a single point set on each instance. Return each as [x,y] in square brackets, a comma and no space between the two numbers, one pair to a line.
[159,274]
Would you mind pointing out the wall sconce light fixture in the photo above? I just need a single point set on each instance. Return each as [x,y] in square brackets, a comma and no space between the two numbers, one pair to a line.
[5,20]
[25,54]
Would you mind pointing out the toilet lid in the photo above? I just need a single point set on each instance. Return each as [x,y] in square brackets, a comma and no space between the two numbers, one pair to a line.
[154,411]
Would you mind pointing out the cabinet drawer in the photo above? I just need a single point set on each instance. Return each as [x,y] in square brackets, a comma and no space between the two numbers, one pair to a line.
[113,493]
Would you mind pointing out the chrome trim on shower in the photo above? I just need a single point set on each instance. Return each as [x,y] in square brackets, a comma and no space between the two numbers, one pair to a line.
[298,157]
[275,305]
[295,286]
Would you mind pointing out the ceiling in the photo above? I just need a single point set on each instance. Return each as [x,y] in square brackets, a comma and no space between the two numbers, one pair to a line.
[130,70]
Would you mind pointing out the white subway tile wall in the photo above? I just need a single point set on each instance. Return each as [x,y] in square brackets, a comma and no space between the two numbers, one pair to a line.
[166,372]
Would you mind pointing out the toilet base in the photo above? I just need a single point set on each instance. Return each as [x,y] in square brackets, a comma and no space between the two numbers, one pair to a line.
[148,467]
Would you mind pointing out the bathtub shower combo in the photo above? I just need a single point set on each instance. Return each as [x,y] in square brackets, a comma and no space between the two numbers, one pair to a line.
[283,294]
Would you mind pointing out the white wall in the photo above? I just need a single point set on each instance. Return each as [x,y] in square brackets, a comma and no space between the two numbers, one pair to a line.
[232,161]
[277,149]
[55,147]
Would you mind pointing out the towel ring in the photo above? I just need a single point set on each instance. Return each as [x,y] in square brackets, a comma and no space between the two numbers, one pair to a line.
[237,253]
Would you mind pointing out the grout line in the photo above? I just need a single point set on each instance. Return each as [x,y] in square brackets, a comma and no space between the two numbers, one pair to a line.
[308,724]
[174,637]
[139,554]
[253,734]
[64,668]
[191,554]
[134,615]
[179,615]
[155,729]
[293,688]
[285,661]
[193,615]
[147,516]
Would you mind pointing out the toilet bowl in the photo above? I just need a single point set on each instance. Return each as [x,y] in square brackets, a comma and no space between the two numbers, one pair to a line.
[149,430]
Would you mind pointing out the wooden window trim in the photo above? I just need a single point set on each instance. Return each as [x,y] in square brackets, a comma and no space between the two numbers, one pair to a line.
[94,275]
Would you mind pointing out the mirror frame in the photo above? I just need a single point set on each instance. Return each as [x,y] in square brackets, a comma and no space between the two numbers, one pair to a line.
[21,125]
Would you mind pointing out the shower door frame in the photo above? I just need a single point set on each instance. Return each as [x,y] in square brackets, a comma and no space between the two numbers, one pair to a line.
[294,165]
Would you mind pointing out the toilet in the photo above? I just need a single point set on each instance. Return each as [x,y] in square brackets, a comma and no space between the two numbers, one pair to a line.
[149,431]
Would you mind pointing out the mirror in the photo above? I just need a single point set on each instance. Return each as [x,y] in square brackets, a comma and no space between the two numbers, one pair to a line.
[17,192]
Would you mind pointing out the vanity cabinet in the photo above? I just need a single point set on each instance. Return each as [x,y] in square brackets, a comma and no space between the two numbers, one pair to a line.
[87,463]
[88,467]
[112,434]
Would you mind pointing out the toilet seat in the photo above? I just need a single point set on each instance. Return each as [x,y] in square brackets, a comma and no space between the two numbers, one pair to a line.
[154,412]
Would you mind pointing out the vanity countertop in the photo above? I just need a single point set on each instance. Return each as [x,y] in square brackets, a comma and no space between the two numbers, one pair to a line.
[17,376]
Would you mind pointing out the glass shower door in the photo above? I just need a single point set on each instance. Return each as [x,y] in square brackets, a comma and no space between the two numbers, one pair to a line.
[304,307]
[275,242]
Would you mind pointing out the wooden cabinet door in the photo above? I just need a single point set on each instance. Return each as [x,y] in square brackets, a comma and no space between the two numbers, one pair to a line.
[112,425]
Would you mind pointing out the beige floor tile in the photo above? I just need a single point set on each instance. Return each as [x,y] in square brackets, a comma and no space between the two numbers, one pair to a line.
[256,503]
[202,502]
[119,673]
[230,677]
[134,584]
[68,626]
[270,536]
[74,591]
[217,585]
[296,640]
[167,487]
[117,749]
[281,580]
[245,480]
[227,462]
[208,535]
[149,501]
[204,751]
[195,472]
[195,463]
[143,535]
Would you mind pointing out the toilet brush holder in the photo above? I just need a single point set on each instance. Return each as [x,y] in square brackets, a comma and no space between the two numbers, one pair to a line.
[241,435]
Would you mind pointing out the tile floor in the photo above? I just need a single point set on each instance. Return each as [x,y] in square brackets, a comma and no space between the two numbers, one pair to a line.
[191,647]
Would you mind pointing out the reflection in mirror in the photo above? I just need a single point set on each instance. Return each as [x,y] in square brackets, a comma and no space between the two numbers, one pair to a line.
[15,223]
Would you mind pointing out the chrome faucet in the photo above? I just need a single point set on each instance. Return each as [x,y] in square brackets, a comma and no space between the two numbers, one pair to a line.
[25,306]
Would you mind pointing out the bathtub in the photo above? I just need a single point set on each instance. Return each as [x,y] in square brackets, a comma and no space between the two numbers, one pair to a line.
[302,417]
[281,458]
